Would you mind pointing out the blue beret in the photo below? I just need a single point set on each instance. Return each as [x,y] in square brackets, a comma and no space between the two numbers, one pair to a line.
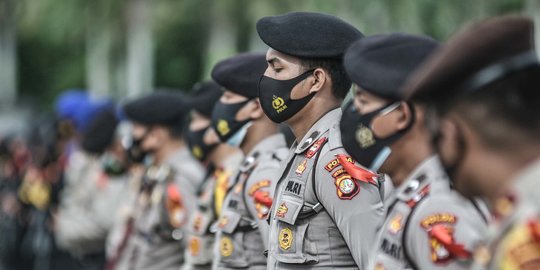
[203,97]
[307,34]
[69,102]
[381,64]
[100,131]
[166,108]
[464,55]
[88,111]
[241,73]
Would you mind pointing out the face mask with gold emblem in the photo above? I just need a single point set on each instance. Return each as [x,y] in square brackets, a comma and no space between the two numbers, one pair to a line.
[359,139]
[195,140]
[224,119]
[275,97]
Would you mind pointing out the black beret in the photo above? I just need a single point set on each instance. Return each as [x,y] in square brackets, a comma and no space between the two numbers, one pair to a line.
[165,108]
[241,73]
[381,64]
[307,34]
[100,132]
[465,54]
[203,97]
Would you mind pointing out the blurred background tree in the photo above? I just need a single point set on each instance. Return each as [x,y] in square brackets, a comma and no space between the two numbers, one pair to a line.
[128,47]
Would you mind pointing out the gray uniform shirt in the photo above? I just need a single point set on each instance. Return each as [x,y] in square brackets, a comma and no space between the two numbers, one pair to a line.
[242,230]
[200,239]
[321,216]
[514,238]
[158,239]
[422,213]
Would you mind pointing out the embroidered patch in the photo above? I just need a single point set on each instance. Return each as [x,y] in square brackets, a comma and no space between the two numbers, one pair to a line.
[347,187]
[258,185]
[226,247]
[520,248]
[330,166]
[395,225]
[194,246]
[315,147]
[282,210]
[263,202]
[441,238]
[339,172]
[294,187]
[285,238]
[379,266]
[301,167]
[431,220]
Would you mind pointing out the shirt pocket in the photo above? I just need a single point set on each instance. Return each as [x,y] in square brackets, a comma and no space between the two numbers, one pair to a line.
[294,245]
[230,243]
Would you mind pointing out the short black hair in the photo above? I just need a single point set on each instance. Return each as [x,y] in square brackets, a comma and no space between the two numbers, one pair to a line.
[506,111]
[341,84]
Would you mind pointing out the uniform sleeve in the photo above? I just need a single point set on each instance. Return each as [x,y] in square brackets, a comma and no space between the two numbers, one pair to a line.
[259,193]
[443,232]
[356,207]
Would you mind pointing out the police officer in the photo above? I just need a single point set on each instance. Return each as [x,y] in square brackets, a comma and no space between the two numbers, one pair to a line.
[385,133]
[168,188]
[242,230]
[322,217]
[223,161]
[484,86]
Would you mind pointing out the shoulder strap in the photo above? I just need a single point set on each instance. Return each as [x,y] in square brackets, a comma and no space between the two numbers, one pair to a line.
[413,207]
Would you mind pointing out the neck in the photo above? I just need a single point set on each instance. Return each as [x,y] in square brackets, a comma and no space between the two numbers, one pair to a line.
[259,130]
[304,120]
[408,155]
[167,149]
[220,153]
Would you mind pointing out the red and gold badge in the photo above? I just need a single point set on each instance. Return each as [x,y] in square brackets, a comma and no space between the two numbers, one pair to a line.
[330,166]
[347,187]
[301,167]
[285,238]
[282,210]
[226,247]
[315,147]
[396,224]
[444,248]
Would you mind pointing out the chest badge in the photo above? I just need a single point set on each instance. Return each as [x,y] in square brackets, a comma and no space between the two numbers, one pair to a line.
[194,246]
[226,247]
[282,210]
[301,167]
[395,224]
[285,238]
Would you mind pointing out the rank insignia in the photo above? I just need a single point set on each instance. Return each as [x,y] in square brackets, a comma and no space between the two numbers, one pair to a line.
[315,147]
[223,221]
[285,239]
[282,210]
[301,167]
[194,246]
[395,224]
[226,247]
[347,187]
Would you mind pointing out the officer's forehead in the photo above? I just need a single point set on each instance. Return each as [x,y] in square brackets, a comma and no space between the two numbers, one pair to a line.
[273,56]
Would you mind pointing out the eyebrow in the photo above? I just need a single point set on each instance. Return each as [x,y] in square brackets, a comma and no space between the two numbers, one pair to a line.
[273,60]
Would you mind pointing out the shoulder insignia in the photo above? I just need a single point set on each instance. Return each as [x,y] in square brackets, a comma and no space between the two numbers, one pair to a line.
[258,185]
[175,207]
[519,247]
[346,186]
[418,197]
[316,147]
[330,166]
[261,198]
[440,228]
[357,172]
[309,140]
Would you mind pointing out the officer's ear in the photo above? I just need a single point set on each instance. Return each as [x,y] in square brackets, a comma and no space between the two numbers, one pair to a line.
[405,115]
[318,80]
[256,111]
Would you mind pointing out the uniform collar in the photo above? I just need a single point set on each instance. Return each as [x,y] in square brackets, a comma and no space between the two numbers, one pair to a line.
[268,144]
[425,173]
[526,183]
[317,130]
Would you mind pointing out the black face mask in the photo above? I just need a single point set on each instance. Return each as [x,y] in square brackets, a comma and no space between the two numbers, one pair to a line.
[223,119]
[134,150]
[359,140]
[199,149]
[275,97]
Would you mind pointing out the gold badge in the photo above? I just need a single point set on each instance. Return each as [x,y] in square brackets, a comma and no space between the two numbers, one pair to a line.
[285,238]
[282,210]
[226,246]
[301,167]
[395,224]
[223,221]
[197,151]
[223,127]
[364,136]
[194,246]
[278,104]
